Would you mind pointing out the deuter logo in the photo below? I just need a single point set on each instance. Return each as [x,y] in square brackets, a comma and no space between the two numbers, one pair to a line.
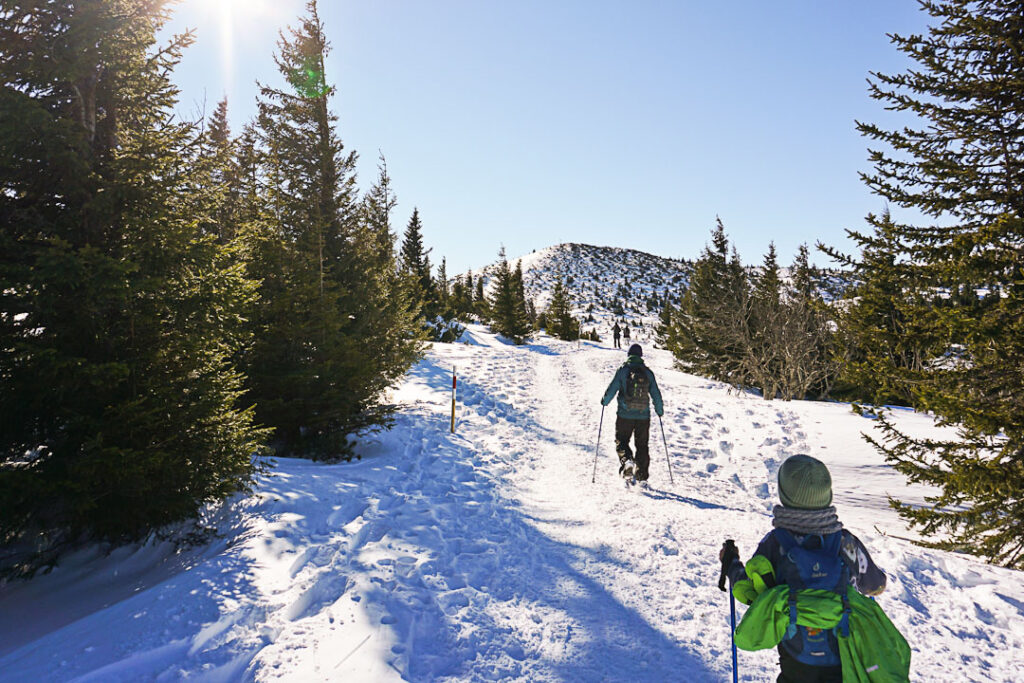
[816,572]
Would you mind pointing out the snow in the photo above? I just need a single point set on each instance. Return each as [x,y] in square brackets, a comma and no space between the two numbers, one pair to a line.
[488,554]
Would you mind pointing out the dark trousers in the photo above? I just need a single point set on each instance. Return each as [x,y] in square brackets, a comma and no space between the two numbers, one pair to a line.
[794,671]
[617,344]
[640,430]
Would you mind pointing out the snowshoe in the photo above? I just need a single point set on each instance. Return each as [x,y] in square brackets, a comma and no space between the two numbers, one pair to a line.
[626,470]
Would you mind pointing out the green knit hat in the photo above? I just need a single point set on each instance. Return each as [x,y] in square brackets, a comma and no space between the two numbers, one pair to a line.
[804,483]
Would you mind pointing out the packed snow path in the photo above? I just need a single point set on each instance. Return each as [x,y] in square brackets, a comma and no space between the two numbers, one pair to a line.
[490,555]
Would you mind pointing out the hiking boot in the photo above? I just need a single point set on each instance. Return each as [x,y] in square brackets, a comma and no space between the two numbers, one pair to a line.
[626,469]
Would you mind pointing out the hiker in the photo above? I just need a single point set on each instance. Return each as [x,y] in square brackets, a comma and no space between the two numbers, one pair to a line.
[625,332]
[616,332]
[636,387]
[808,548]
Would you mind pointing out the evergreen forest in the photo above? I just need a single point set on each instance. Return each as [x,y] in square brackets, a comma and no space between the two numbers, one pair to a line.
[178,299]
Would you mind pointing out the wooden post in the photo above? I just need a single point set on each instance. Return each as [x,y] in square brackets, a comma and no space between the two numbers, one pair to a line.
[453,399]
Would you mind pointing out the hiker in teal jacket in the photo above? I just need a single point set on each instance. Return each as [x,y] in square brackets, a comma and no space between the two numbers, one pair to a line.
[636,387]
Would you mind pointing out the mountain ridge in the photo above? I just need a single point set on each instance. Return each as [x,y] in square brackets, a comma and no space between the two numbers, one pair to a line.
[606,284]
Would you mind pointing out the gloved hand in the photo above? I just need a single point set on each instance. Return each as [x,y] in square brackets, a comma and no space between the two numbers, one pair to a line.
[760,575]
[661,412]
[728,553]
[744,591]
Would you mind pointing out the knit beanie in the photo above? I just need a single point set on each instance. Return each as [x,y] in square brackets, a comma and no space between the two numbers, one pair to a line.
[804,483]
[635,350]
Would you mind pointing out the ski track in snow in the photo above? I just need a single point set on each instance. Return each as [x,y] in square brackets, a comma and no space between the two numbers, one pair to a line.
[490,555]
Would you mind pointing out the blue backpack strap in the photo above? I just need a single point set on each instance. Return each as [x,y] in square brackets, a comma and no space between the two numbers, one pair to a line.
[785,539]
[791,628]
[844,622]
[786,544]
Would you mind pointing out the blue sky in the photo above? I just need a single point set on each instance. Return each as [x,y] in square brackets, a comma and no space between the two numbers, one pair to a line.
[628,124]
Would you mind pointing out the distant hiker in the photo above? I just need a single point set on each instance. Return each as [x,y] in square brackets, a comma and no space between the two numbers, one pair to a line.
[819,633]
[635,384]
[625,332]
[616,333]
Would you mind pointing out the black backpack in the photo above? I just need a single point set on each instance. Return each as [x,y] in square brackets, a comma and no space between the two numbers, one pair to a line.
[638,387]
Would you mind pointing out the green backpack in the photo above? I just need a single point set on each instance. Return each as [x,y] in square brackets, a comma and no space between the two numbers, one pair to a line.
[873,651]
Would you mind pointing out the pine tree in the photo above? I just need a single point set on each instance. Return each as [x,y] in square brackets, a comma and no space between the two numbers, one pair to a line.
[119,311]
[522,309]
[218,163]
[559,317]
[322,358]
[442,289]
[961,168]
[880,335]
[507,310]
[663,333]
[805,341]
[480,302]
[415,260]
[462,297]
[388,316]
[766,324]
[711,318]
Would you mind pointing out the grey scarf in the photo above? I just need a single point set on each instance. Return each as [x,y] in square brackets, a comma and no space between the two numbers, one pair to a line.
[823,521]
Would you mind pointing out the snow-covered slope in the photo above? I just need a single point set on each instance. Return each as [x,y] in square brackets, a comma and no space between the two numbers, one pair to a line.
[489,554]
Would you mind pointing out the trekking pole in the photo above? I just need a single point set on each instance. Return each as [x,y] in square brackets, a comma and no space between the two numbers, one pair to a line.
[729,550]
[597,445]
[732,623]
[665,441]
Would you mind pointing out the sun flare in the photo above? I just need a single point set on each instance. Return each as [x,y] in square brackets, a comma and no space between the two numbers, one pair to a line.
[232,24]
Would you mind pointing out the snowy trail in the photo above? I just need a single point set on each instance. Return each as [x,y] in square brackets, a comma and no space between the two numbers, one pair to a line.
[490,555]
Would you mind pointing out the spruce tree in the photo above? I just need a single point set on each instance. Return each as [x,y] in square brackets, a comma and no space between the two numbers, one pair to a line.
[766,325]
[507,309]
[559,317]
[663,332]
[960,169]
[805,341]
[880,335]
[712,314]
[522,319]
[119,310]
[480,302]
[219,166]
[415,260]
[389,314]
[321,360]
[442,289]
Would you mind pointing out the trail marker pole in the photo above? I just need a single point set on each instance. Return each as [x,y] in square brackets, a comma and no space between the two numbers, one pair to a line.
[453,399]
[665,441]
[597,445]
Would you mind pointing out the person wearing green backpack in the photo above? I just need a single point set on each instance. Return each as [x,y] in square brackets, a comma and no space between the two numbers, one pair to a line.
[806,586]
